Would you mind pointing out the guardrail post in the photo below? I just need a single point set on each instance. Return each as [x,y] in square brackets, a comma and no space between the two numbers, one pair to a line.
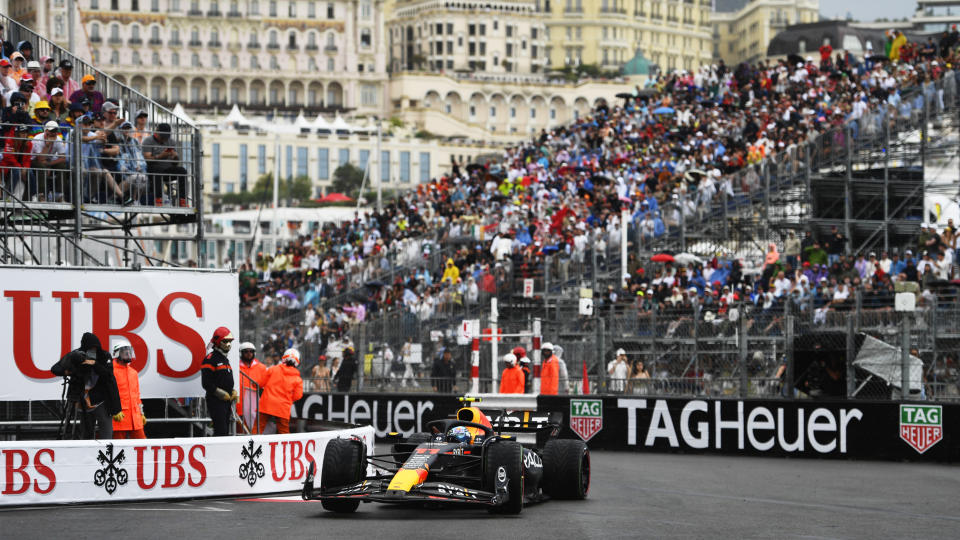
[536,356]
[742,349]
[787,388]
[905,356]
[76,174]
[851,355]
[601,349]
[475,366]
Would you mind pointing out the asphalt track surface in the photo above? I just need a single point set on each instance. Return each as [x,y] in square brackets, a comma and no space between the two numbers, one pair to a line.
[632,496]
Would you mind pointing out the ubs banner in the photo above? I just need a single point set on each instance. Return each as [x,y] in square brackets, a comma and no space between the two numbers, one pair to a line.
[835,429]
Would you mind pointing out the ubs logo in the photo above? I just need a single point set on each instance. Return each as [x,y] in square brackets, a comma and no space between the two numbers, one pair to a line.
[111,475]
[251,470]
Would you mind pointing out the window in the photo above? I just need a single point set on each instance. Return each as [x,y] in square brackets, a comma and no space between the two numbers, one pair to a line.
[234,94]
[513,112]
[483,29]
[449,29]
[405,167]
[365,38]
[368,95]
[155,59]
[329,11]
[302,161]
[175,93]
[195,35]
[114,58]
[330,65]
[195,60]
[533,112]
[292,10]
[273,39]
[274,63]
[471,29]
[275,96]
[155,34]
[195,94]
[323,163]
[261,159]
[243,167]
[509,30]
[254,7]
[175,59]
[424,167]
[175,36]
[312,40]
[292,40]
[216,167]
[215,61]
[273,8]
[364,158]
[343,156]
[366,10]
[312,10]
[254,62]
[385,166]
[114,31]
[493,112]
[95,32]
[289,162]
[234,61]
[135,59]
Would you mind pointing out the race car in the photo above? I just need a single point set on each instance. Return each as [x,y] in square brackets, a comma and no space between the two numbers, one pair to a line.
[462,461]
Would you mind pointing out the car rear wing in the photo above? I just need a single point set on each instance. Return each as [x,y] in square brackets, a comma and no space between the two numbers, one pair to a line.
[517,414]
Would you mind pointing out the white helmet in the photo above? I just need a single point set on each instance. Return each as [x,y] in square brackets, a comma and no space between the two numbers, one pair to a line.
[291,356]
[546,346]
[510,359]
[123,351]
[247,346]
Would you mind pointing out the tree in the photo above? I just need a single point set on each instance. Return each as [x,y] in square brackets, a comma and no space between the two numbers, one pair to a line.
[347,180]
[296,189]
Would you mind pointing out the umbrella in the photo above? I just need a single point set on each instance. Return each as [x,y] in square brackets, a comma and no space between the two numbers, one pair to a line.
[662,257]
[335,197]
[374,284]
[878,58]
[286,293]
[624,95]
[474,166]
[794,59]
[886,362]
[687,258]
[663,110]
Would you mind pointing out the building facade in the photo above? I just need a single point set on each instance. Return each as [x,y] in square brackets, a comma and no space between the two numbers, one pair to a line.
[607,33]
[744,34]
[502,36]
[267,55]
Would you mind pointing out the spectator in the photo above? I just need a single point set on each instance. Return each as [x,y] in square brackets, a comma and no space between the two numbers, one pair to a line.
[444,373]
[617,370]
[19,69]
[140,131]
[15,163]
[89,92]
[49,161]
[511,379]
[26,49]
[163,164]
[131,165]
[39,82]
[8,84]
[103,187]
[70,86]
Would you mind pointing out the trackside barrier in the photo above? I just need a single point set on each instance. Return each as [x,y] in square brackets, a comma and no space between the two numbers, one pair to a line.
[58,472]
[855,429]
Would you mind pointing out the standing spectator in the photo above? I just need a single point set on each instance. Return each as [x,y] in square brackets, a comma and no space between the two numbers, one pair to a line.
[791,248]
[216,376]
[444,373]
[163,164]
[15,164]
[511,379]
[618,369]
[88,90]
[282,386]
[50,162]
[835,245]
[343,378]
[550,373]
[70,86]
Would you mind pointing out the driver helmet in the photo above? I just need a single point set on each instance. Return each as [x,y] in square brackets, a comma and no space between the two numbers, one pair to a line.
[459,434]
[123,352]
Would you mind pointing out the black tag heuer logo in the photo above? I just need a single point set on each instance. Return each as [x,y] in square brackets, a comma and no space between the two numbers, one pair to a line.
[251,470]
[111,475]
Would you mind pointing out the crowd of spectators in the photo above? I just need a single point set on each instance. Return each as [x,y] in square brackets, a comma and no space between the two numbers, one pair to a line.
[122,160]
[666,155]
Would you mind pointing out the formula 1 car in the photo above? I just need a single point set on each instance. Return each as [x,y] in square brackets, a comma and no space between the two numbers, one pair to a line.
[463,461]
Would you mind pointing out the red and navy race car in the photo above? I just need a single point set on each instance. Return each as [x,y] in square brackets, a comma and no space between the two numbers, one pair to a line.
[463,461]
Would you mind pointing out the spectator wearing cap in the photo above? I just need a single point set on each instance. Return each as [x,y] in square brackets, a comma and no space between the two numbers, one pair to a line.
[103,187]
[140,131]
[7,82]
[88,91]
[131,164]
[17,151]
[111,115]
[50,163]
[39,81]
[59,106]
[19,66]
[27,89]
[163,164]
[41,115]
[64,74]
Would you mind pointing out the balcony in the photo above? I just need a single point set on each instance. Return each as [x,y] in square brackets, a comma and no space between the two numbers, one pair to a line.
[293,47]
[214,13]
[253,46]
[273,46]
[155,42]
[234,46]
[175,42]
[115,41]
[194,13]
[216,44]
[234,14]
[313,47]
[95,39]
[330,49]
[195,43]
[135,41]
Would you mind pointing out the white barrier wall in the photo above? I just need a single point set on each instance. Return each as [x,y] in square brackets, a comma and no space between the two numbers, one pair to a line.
[168,316]
[53,472]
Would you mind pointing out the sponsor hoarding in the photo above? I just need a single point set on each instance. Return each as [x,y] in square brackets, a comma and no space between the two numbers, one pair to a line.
[167,316]
[52,472]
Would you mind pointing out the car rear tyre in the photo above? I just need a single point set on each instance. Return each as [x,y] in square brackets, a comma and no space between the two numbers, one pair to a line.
[566,469]
[344,463]
[509,456]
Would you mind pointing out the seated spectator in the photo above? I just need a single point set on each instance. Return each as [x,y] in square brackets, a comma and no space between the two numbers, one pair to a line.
[59,107]
[163,164]
[19,68]
[70,86]
[140,131]
[39,82]
[103,187]
[26,49]
[131,164]
[41,115]
[89,93]
[49,65]
[8,84]
[50,164]
[15,164]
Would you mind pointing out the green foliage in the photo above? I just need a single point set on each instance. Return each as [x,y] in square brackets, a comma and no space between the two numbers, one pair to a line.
[298,189]
[396,122]
[347,180]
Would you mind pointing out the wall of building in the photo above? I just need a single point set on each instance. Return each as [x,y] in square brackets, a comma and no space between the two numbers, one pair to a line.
[743,35]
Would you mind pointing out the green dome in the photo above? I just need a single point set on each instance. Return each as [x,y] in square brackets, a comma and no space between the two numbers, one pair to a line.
[638,65]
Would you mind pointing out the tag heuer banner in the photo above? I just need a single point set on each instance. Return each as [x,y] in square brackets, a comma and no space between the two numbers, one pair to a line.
[51,472]
[803,428]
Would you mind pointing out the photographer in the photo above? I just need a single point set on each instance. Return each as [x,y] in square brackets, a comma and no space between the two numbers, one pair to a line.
[92,388]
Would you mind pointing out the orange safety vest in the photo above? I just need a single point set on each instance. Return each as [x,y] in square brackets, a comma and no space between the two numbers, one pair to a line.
[511,380]
[281,387]
[257,372]
[128,383]
[550,376]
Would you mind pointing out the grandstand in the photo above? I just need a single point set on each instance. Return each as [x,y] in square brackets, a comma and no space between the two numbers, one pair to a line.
[70,213]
